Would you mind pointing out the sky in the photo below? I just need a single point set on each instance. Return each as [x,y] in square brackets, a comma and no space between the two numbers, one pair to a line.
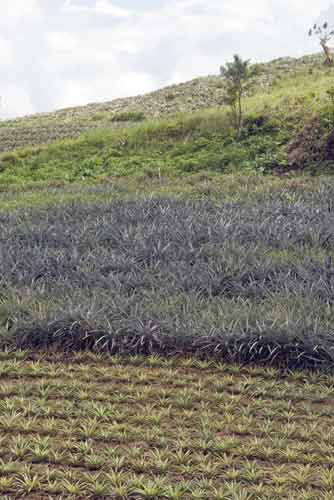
[63,53]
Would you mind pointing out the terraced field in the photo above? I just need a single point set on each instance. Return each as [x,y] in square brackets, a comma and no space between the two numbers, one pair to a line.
[143,428]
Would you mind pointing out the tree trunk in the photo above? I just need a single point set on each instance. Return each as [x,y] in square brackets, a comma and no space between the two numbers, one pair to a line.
[239,115]
[327,52]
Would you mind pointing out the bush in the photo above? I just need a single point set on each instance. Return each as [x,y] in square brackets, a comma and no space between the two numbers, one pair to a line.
[10,158]
[88,169]
[170,95]
[267,161]
[128,116]
[99,116]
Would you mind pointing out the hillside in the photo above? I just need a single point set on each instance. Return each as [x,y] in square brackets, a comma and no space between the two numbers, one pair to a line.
[200,93]
[180,131]
[167,295]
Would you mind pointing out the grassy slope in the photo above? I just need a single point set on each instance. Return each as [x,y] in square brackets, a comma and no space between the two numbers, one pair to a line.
[287,95]
[47,127]
[90,427]
[203,92]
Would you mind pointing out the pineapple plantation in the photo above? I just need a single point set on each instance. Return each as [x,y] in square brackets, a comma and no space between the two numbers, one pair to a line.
[90,426]
[166,295]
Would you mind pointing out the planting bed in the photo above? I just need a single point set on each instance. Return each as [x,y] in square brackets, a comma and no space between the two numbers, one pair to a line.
[86,426]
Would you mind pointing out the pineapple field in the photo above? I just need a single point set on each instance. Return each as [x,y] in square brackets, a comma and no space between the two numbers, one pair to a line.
[167,292]
[95,426]
[248,281]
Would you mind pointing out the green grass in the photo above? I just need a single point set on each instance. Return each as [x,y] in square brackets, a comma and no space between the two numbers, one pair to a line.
[87,426]
[125,116]
[160,144]
[234,187]
[187,142]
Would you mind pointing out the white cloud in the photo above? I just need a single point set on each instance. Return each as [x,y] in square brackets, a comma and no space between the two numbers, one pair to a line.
[62,42]
[7,60]
[104,7]
[67,52]
[75,94]
[14,99]
[14,12]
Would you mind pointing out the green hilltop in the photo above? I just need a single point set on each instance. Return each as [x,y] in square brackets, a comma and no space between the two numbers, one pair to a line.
[181,130]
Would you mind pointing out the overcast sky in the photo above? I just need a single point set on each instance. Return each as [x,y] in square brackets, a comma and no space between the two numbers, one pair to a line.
[60,53]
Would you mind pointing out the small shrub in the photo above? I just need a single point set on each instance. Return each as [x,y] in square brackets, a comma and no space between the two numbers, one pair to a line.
[89,168]
[151,173]
[190,166]
[128,116]
[99,117]
[264,124]
[170,96]
[11,159]
[267,161]
[220,84]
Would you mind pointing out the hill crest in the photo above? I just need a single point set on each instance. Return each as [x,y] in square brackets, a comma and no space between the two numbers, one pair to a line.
[196,94]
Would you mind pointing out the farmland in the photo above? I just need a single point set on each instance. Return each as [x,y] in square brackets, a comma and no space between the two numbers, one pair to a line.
[150,343]
[249,280]
[85,426]
[166,295]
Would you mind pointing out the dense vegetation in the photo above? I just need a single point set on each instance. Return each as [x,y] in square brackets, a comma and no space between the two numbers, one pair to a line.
[287,126]
[250,280]
[157,233]
[122,256]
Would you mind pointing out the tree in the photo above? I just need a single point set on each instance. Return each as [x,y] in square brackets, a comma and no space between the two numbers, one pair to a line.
[325,34]
[237,75]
